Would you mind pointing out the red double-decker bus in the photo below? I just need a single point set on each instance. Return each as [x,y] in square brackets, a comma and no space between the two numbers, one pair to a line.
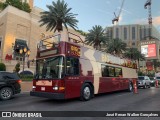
[68,68]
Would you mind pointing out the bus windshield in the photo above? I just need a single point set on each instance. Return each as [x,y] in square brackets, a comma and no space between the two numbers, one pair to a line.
[50,68]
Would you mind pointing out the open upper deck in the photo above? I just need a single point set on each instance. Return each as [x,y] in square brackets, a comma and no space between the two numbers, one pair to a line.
[68,43]
[52,41]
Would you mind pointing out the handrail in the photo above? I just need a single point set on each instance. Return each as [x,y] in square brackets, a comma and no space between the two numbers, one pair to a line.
[51,36]
[76,41]
[47,42]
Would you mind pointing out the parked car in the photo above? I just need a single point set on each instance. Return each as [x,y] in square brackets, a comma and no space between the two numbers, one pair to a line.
[9,85]
[153,81]
[144,81]
[158,78]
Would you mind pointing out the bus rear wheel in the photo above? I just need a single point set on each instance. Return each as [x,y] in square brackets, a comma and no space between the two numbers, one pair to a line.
[86,92]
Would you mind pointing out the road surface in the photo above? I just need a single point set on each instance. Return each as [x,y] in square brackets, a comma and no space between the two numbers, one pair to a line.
[145,100]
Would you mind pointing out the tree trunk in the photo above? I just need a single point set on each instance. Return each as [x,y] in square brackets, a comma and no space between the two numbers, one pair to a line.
[138,65]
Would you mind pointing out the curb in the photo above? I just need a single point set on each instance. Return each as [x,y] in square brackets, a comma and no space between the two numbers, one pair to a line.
[25,92]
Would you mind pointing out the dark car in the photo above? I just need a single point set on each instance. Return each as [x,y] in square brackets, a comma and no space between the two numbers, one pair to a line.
[153,81]
[9,85]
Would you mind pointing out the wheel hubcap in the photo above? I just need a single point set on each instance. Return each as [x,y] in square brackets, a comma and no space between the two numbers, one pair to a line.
[87,93]
[6,93]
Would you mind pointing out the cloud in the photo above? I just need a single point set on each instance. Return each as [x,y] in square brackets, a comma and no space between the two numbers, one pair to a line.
[124,10]
[141,21]
[122,14]
[121,18]
[155,21]
[108,2]
[104,12]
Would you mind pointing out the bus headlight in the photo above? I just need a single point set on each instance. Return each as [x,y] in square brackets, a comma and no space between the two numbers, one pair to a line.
[33,88]
[55,88]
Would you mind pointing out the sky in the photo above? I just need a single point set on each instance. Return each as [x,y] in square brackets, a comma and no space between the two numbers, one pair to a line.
[100,12]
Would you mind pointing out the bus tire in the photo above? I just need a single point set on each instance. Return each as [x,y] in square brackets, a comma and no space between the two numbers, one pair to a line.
[130,87]
[86,92]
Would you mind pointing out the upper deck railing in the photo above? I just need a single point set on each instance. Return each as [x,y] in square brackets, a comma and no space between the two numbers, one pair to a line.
[75,38]
[52,41]
[49,42]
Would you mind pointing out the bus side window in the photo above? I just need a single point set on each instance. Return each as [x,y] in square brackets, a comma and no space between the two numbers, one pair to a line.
[111,72]
[72,66]
[118,72]
[105,71]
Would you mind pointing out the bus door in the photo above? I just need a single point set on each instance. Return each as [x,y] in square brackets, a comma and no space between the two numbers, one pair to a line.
[105,80]
[72,79]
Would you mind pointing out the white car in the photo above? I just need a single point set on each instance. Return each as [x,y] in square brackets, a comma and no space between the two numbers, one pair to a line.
[144,81]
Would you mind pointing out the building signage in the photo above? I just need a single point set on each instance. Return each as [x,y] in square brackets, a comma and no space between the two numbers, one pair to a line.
[149,50]
[149,65]
[149,42]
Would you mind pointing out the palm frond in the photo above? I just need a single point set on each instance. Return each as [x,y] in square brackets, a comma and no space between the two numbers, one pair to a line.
[58,14]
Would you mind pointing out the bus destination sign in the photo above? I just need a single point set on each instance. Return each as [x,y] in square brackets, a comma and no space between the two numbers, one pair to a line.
[46,53]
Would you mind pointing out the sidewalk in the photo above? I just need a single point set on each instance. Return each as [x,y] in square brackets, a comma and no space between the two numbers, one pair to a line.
[26,86]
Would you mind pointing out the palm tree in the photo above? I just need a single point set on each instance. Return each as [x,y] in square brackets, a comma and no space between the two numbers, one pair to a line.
[116,46]
[96,37]
[59,14]
[134,54]
[156,64]
[82,32]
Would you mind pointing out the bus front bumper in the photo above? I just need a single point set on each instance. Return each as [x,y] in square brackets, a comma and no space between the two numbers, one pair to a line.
[56,96]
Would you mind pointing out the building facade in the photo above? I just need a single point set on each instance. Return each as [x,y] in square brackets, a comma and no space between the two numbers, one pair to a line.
[136,36]
[21,29]
[132,34]
[17,25]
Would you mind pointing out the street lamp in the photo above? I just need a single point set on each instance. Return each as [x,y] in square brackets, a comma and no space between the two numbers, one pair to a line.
[24,52]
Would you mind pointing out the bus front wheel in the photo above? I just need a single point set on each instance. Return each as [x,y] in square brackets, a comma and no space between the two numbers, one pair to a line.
[86,92]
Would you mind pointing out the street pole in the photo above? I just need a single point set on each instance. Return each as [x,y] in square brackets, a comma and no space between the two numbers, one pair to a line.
[23,61]
[23,52]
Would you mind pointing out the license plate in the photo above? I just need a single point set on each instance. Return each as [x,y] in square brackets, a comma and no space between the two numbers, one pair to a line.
[43,88]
